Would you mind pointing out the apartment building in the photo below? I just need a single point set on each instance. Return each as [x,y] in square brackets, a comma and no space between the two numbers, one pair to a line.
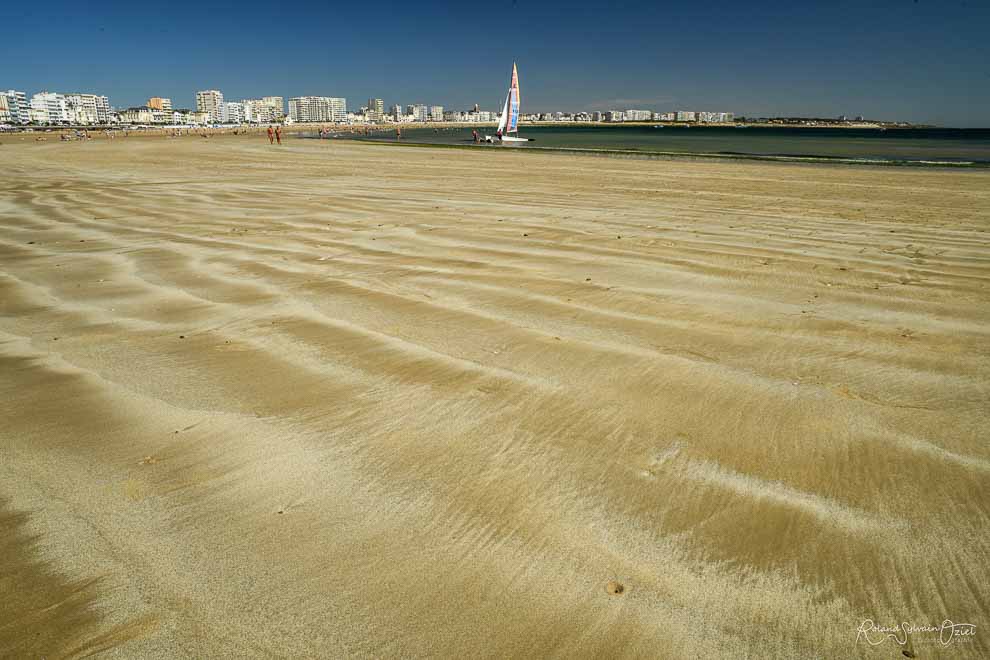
[88,108]
[160,103]
[210,101]
[317,108]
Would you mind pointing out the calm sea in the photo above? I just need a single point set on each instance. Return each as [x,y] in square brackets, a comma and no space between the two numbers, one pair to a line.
[914,145]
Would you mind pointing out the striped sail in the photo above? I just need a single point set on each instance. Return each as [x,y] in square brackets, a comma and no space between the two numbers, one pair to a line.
[513,102]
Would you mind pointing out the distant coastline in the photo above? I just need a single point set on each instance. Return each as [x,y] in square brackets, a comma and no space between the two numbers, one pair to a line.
[295,127]
[670,141]
[701,155]
[917,147]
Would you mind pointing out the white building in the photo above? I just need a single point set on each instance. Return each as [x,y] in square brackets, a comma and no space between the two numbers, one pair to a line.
[277,104]
[5,117]
[50,108]
[436,113]
[396,112]
[190,118]
[338,108]
[210,101]
[166,117]
[638,115]
[307,108]
[317,108]
[614,115]
[686,115]
[715,117]
[418,112]
[139,115]
[233,113]
[20,110]
[376,110]
[88,109]
[258,112]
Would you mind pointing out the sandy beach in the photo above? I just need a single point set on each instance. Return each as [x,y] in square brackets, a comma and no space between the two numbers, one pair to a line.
[350,400]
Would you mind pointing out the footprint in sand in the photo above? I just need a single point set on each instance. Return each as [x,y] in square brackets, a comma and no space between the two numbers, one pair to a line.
[662,457]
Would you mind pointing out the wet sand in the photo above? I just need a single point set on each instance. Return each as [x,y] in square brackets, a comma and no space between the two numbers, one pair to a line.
[338,399]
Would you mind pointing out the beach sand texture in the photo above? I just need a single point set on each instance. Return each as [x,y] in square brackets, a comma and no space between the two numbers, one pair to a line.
[351,400]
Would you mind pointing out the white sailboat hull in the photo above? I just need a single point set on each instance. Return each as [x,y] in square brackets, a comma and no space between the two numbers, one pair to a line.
[494,139]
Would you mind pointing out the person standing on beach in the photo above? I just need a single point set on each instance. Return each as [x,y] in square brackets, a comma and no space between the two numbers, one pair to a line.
[278,134]
[271,136]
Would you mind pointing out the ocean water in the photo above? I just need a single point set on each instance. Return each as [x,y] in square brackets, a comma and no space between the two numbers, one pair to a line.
[911,145]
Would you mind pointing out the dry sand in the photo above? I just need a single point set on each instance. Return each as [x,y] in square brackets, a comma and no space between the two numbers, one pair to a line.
[351,400]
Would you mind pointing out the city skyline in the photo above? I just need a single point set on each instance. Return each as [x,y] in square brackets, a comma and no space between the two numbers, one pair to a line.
[908,61]
[215,108]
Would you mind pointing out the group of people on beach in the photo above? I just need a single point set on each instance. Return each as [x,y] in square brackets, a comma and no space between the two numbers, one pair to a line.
[274,134]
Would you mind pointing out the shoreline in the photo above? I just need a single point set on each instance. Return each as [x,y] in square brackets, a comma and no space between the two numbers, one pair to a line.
[391,126]
[383,135]
[679,155]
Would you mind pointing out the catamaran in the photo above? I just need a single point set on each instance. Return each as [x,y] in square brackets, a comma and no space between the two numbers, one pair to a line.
[509,121]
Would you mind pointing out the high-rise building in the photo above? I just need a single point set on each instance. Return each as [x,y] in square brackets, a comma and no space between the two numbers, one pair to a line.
[277,105]
[436,113]
[376,110]
[317,108]
[20,110]
[5,117]
[396,112]
[88,108]
[233,113]
[637,115]
[159,103]
[686,115]
[257,111]
[338,109]
[210,101]
[303,108]
[50,108]
[419,112]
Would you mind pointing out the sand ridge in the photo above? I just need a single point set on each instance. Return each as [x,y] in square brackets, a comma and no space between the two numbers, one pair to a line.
[343,399]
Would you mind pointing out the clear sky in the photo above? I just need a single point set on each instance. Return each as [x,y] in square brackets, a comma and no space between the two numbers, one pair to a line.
[922,61]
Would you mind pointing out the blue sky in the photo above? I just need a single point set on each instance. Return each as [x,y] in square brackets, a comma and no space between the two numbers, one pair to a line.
[920,61]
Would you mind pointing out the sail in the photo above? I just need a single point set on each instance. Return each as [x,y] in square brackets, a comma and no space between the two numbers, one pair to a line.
[509,121]
[513,102]
[504,119]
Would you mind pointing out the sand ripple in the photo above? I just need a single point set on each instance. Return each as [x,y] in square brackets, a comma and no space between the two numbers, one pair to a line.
[354,400]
